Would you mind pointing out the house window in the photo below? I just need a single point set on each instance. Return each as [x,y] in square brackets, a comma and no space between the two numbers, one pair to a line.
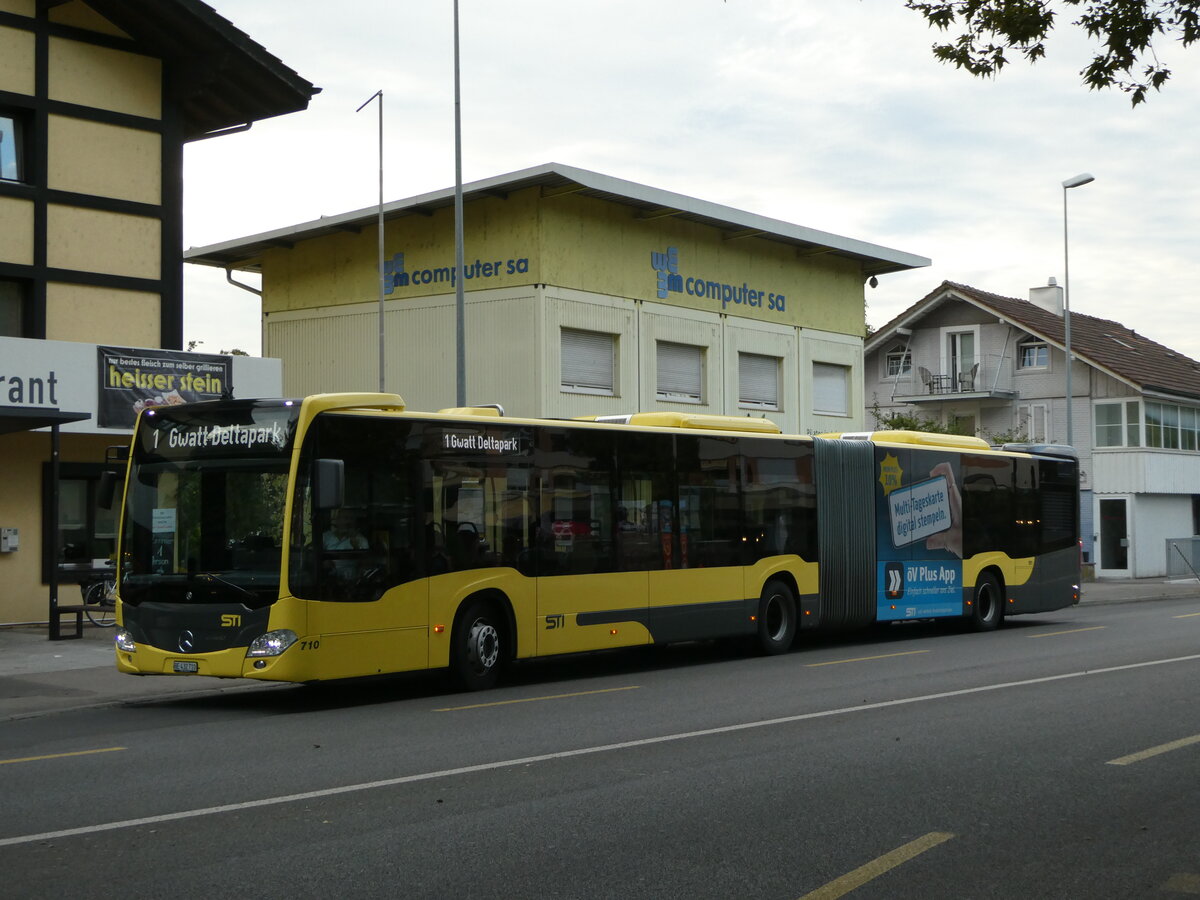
[1033,355]
[898,363]
[758,381]
[680,373]
[588,362]
[12,147]
[960,361]
[1172,427]
[1118,423]
[1189,422]
[1033,422]
[831,389]
[14,308]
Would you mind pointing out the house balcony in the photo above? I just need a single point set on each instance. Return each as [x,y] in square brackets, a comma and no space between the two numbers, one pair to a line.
[928,381]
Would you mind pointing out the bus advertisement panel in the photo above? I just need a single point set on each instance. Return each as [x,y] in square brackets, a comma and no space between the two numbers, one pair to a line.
[918,515]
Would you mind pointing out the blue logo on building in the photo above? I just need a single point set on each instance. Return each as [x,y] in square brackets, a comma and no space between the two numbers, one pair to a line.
[396,276]
[670,281]
[667,266]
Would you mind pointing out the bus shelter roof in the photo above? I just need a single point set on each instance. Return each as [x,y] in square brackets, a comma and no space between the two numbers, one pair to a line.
[27,418]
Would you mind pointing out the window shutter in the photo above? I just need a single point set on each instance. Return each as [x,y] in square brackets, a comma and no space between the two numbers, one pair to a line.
[588,359]
[831,389]
[758,380]
[680,372]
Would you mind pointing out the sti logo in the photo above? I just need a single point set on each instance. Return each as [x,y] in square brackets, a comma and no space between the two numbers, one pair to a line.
[667,266]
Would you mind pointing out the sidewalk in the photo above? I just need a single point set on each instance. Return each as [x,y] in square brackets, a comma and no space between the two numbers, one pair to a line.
[39,676]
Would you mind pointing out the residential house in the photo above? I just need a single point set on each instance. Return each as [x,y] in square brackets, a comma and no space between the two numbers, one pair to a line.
[996,366]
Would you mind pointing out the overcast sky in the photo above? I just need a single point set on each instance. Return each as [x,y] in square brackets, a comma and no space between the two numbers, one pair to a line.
[834,116]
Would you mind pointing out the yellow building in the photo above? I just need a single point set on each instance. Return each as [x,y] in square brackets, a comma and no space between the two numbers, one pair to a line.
[584,294]
[97,99]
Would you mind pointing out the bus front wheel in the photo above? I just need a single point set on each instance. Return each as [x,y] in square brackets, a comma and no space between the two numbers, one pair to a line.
[988,608]
[776,618]
[478,647]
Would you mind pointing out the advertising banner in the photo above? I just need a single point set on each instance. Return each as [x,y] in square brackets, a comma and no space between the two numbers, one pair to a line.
[919,520]
[134,379]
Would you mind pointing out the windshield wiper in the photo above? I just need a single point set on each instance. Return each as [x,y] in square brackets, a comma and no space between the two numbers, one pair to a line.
[237,587]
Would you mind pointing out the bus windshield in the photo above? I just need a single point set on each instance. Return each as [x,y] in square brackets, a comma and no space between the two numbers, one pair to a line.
[205,525]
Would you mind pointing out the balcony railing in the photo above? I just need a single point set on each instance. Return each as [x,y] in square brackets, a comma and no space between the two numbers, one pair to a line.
[990,376]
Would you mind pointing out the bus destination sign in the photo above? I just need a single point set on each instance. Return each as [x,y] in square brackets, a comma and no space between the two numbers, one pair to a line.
[488,443]
[257,432]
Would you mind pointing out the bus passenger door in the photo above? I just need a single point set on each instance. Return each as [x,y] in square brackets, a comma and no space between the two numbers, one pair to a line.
[583,601]
[586,598]
[698,591]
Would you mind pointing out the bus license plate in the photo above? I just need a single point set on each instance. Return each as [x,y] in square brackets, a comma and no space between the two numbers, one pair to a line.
[186,666]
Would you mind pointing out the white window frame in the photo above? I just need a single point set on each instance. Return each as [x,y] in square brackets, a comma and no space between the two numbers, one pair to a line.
[824,391]
[948,334]
[1174,431]
[758,381]
[679,372]
[1127,423]
[1032,343]
[1028,415]
[584,365]
[897,363]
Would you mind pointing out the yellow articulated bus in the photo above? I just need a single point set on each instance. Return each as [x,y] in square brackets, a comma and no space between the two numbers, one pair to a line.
[341,536]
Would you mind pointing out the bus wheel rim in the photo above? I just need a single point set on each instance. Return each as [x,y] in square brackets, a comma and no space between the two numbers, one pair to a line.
[776,618]
[985,603]
[483,646]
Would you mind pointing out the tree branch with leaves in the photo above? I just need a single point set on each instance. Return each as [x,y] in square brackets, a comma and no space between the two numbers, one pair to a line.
[1127,30]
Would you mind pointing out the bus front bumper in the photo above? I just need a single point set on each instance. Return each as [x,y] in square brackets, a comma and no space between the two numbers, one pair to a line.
[143,659]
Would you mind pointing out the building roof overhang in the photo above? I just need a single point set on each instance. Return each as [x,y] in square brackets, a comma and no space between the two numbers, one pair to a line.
[221,78]
[556,179]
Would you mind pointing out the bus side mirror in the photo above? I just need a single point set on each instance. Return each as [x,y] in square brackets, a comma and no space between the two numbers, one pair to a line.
[329,483]
[106,490]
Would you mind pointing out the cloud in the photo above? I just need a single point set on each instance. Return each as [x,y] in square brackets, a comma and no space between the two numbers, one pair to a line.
[832,116]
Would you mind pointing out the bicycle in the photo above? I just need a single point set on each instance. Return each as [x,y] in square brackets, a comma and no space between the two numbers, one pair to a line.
[100,601]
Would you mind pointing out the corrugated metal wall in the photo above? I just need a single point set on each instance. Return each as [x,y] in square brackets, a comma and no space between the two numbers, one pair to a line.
[514,348]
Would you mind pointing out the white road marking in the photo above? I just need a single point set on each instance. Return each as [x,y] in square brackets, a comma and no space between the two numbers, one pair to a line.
[567,754]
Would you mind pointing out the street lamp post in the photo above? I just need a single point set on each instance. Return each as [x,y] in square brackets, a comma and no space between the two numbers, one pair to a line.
[460,314]
[1077,181]
[379,96]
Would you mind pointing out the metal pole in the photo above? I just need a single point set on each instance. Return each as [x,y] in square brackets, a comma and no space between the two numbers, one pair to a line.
[379,94]
[55,632]
[1077,181]
[460,335]
[1067,321]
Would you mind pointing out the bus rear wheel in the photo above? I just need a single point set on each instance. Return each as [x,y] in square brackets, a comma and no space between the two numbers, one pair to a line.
[776,618]
[478,647]
[988,608]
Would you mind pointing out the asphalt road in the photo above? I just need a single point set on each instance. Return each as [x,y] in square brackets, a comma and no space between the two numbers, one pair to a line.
[1057,757]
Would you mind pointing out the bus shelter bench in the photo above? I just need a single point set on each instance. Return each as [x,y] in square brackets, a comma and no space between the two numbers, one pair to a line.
[56,631]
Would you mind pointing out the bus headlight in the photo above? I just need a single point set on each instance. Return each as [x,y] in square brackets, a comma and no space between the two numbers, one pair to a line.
[272,643]
[124,640]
